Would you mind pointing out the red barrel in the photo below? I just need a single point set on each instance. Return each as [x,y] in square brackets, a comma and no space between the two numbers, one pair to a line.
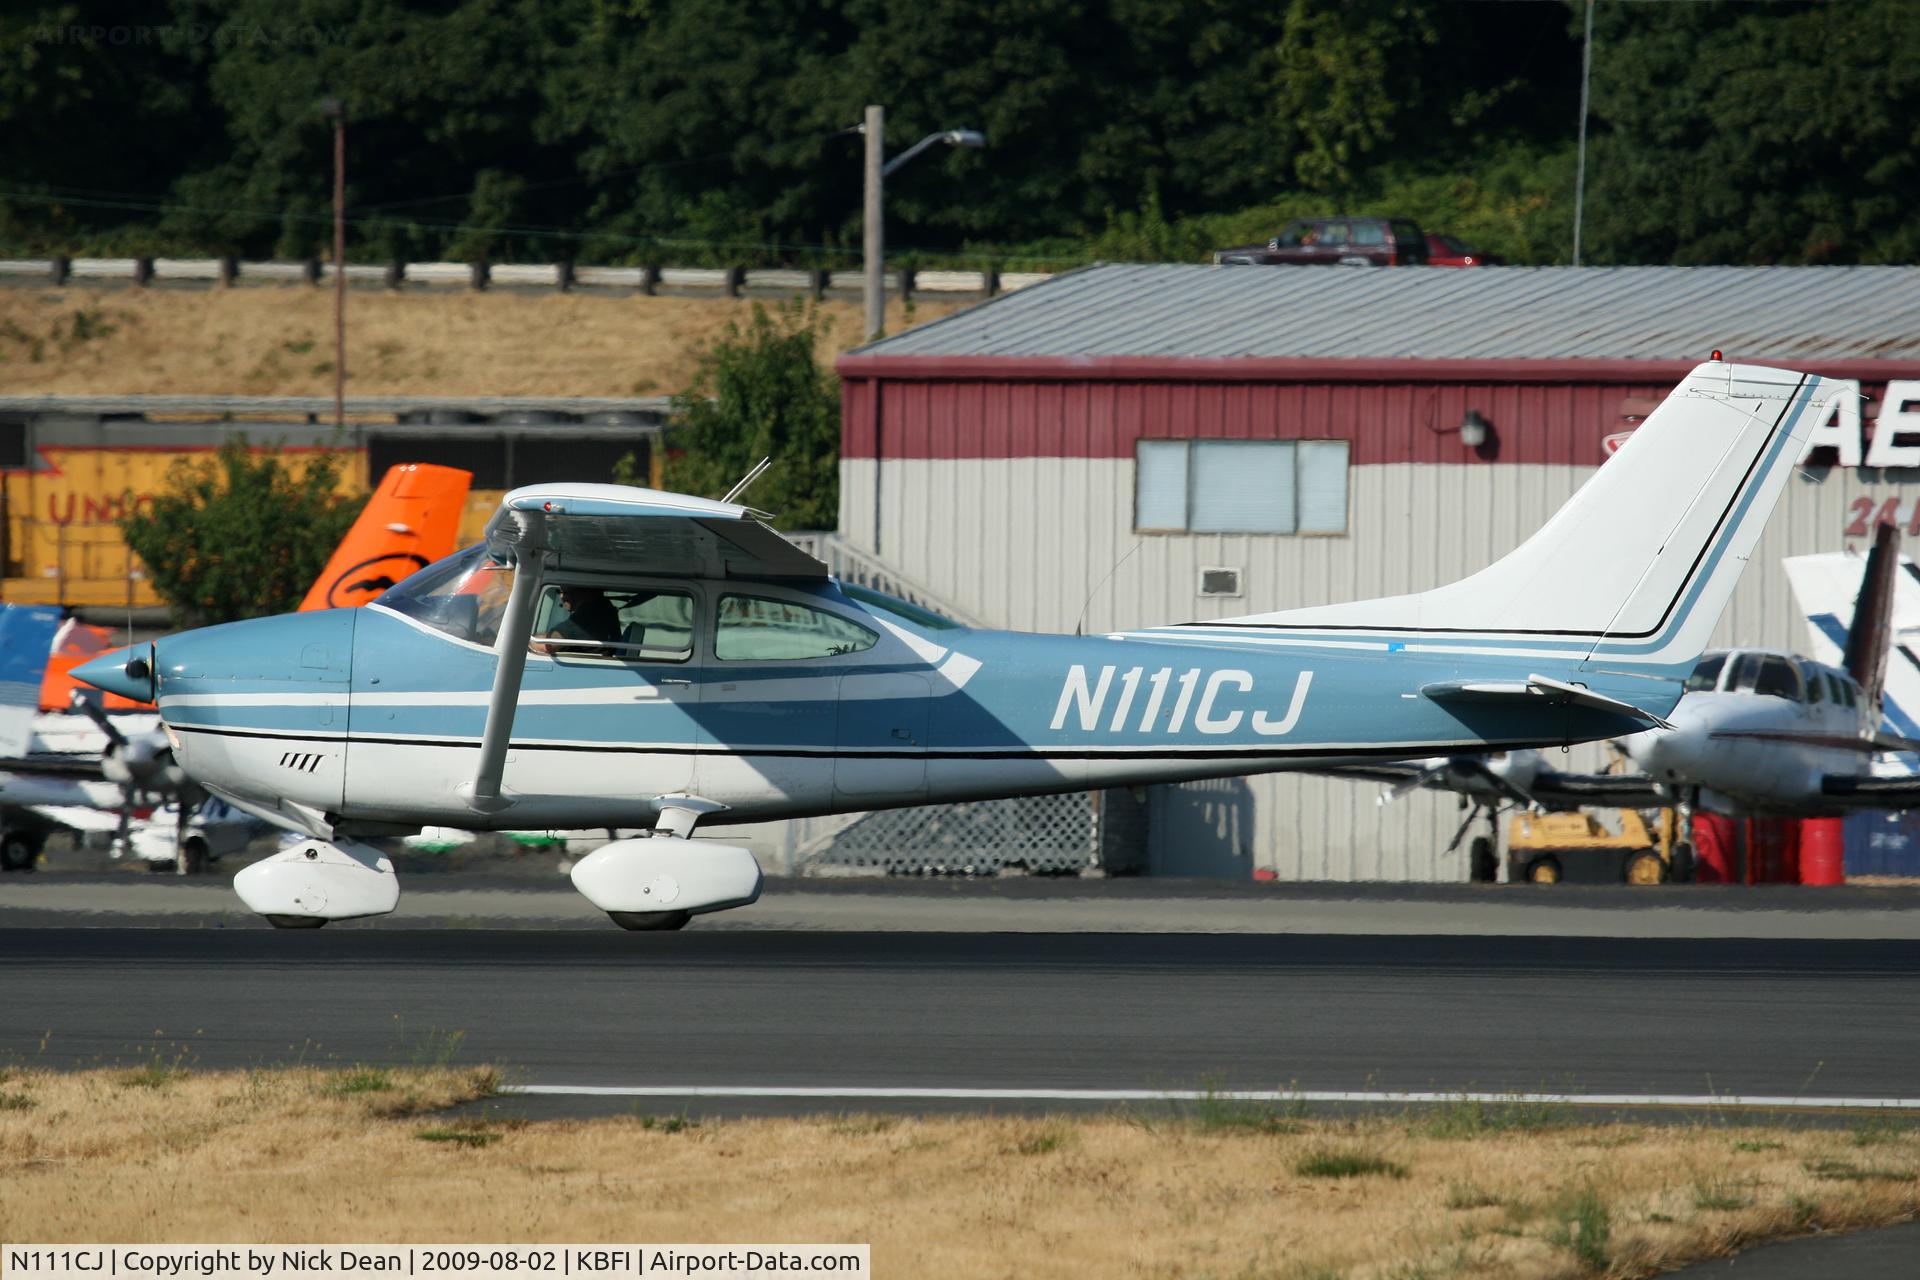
[1822,851]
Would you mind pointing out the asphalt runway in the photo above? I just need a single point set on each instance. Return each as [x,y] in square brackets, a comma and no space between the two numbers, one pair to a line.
[1799,1018]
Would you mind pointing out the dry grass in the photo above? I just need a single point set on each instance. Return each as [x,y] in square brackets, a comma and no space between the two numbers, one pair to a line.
[295,1154]
[278,340]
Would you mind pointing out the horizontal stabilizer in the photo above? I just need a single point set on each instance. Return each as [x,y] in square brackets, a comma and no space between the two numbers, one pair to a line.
[1536,687]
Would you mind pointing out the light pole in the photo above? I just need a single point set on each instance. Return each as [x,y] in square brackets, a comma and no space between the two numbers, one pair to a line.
[1580,173]
[337,108]
[873,218]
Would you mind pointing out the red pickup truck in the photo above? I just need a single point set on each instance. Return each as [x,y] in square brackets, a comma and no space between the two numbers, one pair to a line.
[1347,242]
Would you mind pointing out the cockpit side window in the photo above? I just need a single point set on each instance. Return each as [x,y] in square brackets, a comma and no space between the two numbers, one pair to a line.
[1816,687]
[1836,690]
[624,624]
[1778,679]
[464,596]
[1706,675]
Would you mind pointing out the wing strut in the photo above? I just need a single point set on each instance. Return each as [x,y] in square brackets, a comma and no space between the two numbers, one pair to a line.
[516,630]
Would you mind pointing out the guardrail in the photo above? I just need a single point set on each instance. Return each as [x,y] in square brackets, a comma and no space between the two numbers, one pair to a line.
[614,411]
[731,281]
[862,568]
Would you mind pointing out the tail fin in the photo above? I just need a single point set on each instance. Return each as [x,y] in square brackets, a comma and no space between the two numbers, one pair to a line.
[26,641]
[1639,563]
[411,520]
[1870,635]
[1826,587]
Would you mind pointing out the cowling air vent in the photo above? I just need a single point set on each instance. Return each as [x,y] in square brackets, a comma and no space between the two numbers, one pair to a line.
[1219,582]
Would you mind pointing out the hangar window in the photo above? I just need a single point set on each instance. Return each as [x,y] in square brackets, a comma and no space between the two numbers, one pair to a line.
[1240,486]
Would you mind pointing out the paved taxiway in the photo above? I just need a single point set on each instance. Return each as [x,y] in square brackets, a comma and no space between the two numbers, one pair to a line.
[540,898]
[1019,985]
[1810,1017]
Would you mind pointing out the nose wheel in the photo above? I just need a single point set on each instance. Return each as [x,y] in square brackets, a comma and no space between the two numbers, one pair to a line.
[651,921]
[296,922]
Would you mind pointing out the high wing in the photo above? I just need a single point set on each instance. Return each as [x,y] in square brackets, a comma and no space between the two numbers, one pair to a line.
[611,528]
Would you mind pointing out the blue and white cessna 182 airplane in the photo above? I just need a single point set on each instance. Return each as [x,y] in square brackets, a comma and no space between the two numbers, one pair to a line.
[616,657]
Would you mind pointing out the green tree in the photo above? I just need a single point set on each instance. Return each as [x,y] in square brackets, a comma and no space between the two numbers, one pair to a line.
[240,536]
[759,392]
[1738,133]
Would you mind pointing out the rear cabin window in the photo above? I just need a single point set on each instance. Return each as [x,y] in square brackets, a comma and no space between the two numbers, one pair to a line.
[757,629]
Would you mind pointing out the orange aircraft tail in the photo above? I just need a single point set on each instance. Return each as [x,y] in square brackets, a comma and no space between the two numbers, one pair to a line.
[411,520]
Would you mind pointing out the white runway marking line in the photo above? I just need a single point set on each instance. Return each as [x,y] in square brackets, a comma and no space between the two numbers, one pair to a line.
[1216,1095]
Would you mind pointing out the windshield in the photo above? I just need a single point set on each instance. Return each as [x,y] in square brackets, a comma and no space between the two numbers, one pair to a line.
[1707,674]
[463,595]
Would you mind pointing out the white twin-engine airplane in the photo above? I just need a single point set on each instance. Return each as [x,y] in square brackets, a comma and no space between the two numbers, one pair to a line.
[616,657]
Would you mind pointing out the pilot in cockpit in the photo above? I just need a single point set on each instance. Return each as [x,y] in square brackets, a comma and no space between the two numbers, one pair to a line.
[590,616]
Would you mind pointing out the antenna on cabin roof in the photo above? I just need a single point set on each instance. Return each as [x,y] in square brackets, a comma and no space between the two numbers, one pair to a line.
[748,479]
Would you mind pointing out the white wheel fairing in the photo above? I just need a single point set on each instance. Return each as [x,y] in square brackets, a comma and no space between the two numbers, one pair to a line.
[320,880]
[668,873]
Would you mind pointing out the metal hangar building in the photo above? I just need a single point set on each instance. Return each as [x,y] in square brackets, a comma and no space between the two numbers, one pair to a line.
[1123,446]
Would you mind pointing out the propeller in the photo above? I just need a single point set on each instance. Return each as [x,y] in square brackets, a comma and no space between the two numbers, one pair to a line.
[145,768]
[1472,815]
[1505,774]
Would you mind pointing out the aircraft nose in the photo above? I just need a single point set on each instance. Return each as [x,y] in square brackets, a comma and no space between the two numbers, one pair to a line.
[259,655]
[1668,754]
[127,672]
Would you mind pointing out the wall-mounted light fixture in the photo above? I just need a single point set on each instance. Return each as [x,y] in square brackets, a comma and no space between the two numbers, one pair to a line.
[1474,429]
[1475,432]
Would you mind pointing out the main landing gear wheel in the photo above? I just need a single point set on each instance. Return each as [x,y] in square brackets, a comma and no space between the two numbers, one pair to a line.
[1482,866]
[1544,871]
[193,858]
[17,851]
[651,921]
[295,922]
[1646,868]
[1682,869]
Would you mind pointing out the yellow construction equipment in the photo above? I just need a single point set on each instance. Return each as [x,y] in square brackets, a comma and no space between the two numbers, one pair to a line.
[1546,848]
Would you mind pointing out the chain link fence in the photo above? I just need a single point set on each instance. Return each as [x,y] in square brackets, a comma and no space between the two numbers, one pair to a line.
[1100,831]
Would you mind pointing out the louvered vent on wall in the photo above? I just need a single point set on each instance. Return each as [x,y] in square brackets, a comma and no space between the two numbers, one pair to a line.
[1219,582]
